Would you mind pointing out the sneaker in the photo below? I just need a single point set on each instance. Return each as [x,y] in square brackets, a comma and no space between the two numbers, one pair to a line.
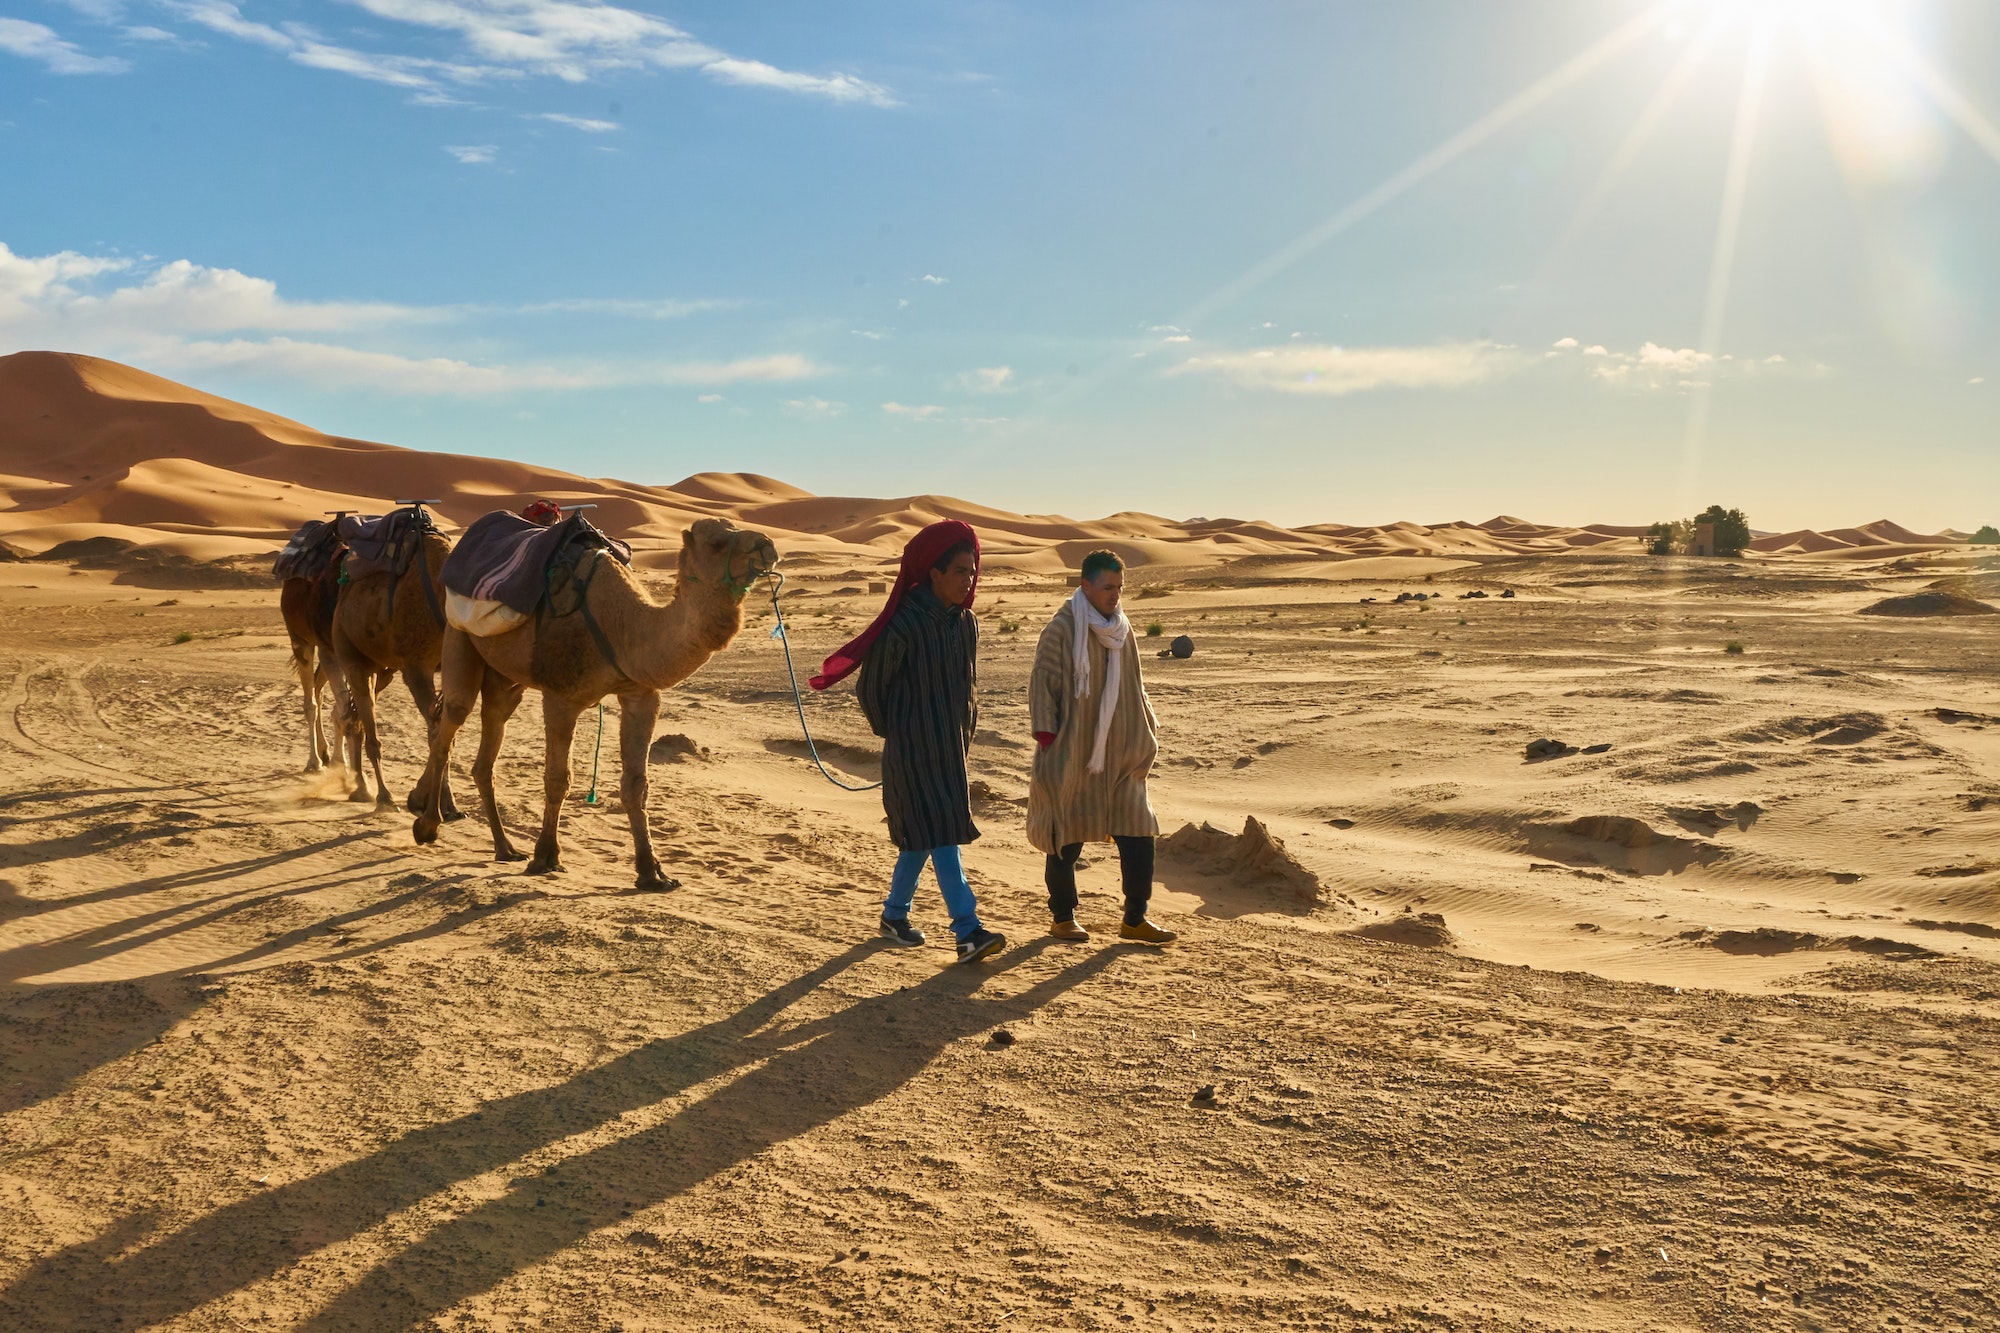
[1069,930]
[1146,933]
[902,932]
[979,944]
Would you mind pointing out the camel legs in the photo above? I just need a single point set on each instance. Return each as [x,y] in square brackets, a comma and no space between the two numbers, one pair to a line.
[559,728]
[306,666]
[637,712]
[460,671]
[361,718]
[498,698]
[425,695]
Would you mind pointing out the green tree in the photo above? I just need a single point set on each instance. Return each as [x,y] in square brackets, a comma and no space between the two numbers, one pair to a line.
[1667,538]
[1732,530]
[1986,536]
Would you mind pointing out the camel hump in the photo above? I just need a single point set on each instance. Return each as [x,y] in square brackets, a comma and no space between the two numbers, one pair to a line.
[507,559]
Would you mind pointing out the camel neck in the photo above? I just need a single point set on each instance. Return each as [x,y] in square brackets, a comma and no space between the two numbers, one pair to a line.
[675,639]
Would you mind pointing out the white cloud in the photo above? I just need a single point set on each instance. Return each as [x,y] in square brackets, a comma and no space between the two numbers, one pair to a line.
[571,40]
[869,334]
[708,398]
[1313,369]
[818,409]
[914,412]
[1595,349]
[934,280]
[33,41]
[473,155]
[584,123]
[184,317]
[989,379]
[1564,344]
[1977,379]
[1177,338]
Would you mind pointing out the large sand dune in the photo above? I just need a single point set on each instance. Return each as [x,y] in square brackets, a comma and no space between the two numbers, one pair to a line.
[92,448]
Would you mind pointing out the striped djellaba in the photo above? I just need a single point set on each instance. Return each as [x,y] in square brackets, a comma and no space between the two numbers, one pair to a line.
[916,689]
[1067,803]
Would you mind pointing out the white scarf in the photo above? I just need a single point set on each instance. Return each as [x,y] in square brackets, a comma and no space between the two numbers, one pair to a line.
[1112,631]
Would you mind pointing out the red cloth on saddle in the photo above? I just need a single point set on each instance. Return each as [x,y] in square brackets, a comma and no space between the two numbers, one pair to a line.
[545,512]
[918,558]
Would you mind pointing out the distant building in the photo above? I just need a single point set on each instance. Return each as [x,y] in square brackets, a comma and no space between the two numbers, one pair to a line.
[1704,540]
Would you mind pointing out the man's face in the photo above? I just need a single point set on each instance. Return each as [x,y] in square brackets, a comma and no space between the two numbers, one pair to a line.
[953,583]
[1103,591]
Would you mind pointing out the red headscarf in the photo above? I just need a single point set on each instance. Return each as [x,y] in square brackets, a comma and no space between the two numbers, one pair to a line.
[544,512]
[918,558]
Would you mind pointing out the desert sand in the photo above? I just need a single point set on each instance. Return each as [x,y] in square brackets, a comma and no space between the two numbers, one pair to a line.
[1694,1032]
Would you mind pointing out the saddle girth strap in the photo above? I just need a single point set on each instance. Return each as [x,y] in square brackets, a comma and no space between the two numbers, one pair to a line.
[576,582]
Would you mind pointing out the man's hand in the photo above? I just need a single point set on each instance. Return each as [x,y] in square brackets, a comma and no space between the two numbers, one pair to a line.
[1045,739]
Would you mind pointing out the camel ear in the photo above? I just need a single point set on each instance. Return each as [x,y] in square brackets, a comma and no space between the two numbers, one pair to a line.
[687,537]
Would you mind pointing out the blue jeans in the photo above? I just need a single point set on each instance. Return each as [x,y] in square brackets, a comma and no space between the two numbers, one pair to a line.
[958,899]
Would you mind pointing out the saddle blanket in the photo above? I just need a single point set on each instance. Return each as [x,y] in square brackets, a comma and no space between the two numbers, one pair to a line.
[373,541]
[308,553]
[505,558]
[482,620]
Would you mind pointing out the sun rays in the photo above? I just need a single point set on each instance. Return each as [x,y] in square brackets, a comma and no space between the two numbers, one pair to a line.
[1885,108]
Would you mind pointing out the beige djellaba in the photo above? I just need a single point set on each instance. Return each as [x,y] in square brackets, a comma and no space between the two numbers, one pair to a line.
[1066,802]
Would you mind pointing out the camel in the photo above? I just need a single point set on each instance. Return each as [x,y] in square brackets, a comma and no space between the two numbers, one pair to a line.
[653,648]
[372,637]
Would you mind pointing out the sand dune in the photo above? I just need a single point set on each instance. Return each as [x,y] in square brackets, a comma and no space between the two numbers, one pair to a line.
[92,448]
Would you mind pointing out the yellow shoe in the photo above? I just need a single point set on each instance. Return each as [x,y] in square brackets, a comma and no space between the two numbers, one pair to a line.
[1071,931]
[1146,933]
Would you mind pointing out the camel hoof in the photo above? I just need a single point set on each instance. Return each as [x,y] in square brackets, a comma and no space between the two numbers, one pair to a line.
[509,854]
[425,831]
[453,816]
[540,867]
[656,883]
[360,796]
[313,765]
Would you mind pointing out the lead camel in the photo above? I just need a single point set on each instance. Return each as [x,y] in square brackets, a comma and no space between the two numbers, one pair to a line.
[653,647]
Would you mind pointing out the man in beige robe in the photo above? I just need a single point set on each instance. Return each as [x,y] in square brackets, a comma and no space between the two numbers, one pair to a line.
[1096,738]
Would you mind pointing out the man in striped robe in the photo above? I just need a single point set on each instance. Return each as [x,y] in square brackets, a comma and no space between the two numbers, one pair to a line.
[1096,739]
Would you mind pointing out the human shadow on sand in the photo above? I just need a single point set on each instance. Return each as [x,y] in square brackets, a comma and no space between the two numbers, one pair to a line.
[800,1078]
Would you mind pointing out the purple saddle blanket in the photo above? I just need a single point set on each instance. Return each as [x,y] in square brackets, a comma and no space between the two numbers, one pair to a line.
[505,558]
[308,553]
[375,543]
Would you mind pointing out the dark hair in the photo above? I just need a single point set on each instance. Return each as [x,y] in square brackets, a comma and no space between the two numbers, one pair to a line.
[1101,562]
[953,552]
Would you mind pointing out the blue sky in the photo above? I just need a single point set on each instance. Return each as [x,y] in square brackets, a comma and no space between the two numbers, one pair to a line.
[1578,260]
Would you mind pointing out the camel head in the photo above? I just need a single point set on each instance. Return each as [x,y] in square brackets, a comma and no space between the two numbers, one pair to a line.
[716,553]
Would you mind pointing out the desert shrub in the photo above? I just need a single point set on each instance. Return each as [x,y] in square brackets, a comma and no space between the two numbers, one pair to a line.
[185,636]
[1009,627]
[1733,646]
[1155,630]
[1987,535]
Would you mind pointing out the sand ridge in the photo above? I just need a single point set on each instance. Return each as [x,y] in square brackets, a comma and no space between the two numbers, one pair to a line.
[90,448]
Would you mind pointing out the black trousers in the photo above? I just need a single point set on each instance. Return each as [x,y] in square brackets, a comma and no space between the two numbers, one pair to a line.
[1135,868]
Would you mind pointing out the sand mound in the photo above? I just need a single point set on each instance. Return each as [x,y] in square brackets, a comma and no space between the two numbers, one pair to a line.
[1769,941]
[1620,843]
[1936,603]
[1425,930]
[1253,858]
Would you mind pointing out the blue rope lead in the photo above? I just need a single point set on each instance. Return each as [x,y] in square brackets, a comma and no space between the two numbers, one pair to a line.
[798,700]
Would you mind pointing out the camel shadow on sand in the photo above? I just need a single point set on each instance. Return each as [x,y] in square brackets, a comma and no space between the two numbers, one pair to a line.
[799,1079]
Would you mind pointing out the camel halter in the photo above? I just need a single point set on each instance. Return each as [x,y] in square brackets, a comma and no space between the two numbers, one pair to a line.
[798,700]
